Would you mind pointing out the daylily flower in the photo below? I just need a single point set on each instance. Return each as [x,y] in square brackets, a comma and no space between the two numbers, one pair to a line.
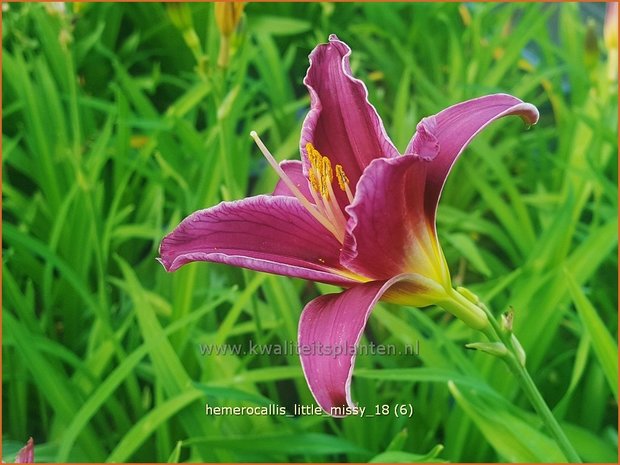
[353,212]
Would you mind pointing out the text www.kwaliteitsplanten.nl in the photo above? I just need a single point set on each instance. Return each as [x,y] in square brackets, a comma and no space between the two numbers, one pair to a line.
[316,348]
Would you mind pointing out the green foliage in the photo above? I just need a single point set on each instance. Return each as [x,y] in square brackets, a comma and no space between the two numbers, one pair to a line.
[117,124]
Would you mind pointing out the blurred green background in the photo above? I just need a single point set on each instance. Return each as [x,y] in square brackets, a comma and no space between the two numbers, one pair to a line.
[118,122]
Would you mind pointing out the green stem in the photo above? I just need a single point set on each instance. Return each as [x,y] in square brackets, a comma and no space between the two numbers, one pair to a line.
[544,412]
[516,362]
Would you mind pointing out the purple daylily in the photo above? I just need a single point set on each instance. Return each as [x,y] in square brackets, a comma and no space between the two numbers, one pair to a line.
[353,212]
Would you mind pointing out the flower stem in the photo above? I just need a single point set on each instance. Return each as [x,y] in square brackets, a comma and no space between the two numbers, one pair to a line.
[545,413]
[514,357]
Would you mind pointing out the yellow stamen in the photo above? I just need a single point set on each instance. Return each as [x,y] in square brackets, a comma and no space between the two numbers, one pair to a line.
[326,176]
[309,152]
[315,172]
[314,183]
[314,156]
[343,181]
[324,191]
[327,170]
[321,177]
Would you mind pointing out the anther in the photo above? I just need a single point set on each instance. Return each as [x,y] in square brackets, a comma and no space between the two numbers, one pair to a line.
[314,183]
[328,174]
[343,181]
[310,152]
[324,189]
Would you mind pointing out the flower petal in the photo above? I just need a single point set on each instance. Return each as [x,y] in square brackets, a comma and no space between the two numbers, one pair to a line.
[341,124]
[294,171]
[330,328]
[264,233]
[389,231]
[26,453]
[442,137]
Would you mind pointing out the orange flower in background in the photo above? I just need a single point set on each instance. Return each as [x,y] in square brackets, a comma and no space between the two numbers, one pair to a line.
[610,33]
[227,17]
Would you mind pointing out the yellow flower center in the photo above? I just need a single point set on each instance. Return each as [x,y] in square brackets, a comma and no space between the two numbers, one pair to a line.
[321,175]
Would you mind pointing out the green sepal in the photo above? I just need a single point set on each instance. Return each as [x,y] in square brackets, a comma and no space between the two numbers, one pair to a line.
[497,349]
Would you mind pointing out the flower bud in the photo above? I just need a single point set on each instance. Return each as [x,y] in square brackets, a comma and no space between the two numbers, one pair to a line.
[469,295]
[493,348]
[180,15]
[506,321]
[227,16]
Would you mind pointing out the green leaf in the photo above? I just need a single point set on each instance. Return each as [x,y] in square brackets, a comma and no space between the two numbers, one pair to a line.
[466,246]
[113,381]
[408,457]
[277,25]
[166,363]
[591,447]
[148,423]
[175,456]
[299,443]
[513,438]
[605,348]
